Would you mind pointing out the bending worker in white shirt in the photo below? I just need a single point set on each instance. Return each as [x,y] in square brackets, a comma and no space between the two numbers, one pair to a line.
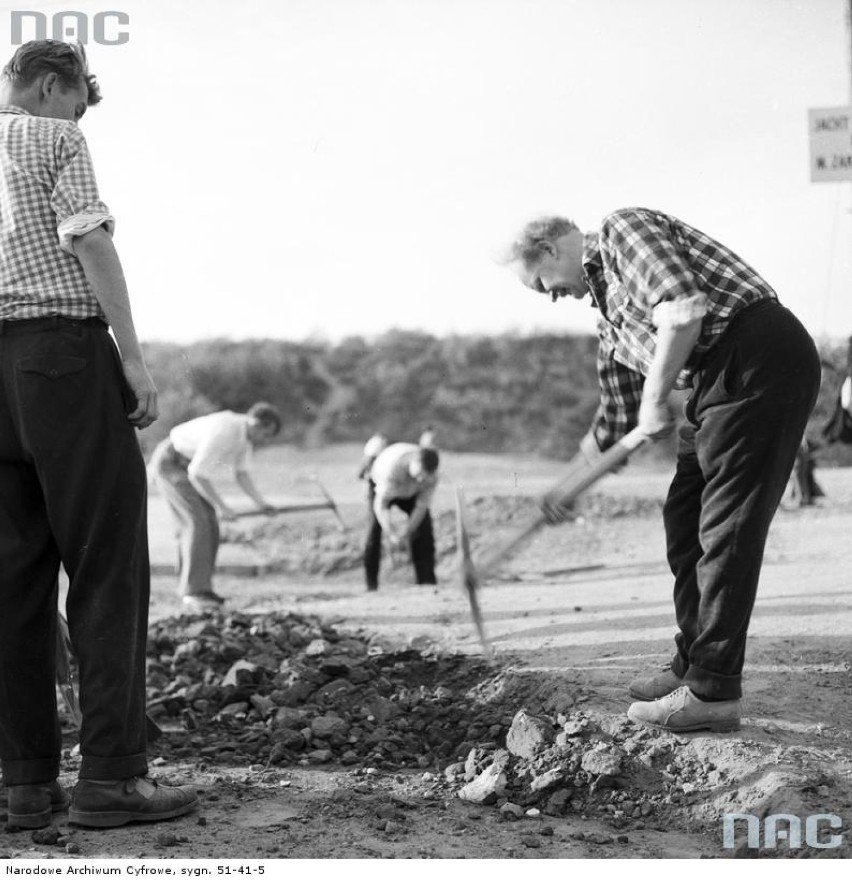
[404,475]
[183,466]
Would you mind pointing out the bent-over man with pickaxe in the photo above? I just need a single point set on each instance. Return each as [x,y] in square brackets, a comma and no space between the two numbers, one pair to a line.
[677,309]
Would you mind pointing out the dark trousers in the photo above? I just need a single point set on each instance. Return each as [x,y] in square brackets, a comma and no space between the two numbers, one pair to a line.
[72,490]
[744,424]
[195,521]
[422,543]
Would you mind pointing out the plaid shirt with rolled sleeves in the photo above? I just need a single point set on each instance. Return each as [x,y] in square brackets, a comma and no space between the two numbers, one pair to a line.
[48,196]
[646,270]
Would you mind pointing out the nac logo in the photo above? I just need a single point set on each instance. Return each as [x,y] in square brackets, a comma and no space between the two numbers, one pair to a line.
[783,826]
[105,28]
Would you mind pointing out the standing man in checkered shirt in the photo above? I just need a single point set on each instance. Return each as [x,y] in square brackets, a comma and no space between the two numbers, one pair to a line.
[680,310]
[72,478]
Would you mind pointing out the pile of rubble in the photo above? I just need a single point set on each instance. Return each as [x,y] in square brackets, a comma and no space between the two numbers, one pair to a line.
[283,688]
[582,763]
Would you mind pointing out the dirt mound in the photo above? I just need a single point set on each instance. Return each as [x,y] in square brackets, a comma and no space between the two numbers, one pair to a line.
[323,549]
[283,689]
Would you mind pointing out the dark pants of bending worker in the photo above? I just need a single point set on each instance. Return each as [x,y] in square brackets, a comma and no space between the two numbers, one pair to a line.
[422,544]
[72,490]
[195,519]
[744,424]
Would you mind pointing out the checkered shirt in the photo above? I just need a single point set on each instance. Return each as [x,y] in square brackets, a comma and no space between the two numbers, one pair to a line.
[645,270]
[48,195]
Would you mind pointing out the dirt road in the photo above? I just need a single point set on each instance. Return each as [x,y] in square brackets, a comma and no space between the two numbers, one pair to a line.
[573,617]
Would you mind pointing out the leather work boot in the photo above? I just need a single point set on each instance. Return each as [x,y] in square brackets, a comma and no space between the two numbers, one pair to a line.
[652,687]
[31,806]
[109,803]
[681,711]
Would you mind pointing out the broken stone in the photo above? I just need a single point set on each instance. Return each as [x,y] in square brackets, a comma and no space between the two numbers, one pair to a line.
[320,756]
[528,735]
[47,835]
[486,788]
[549,779]
[557,802]
[287,716]
[326,726]
[602,763]
[232,676]
[454,770]
[511,811]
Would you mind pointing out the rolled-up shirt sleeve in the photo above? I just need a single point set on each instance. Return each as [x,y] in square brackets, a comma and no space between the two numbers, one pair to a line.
[621,394]
[75,199]
[680,312]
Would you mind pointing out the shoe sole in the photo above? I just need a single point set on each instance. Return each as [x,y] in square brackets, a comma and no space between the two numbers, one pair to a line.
[28,820]
[712,726]
[115,818]
[34,820]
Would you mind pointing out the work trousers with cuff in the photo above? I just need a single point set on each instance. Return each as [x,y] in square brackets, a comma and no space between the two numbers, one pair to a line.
[744,424]
[73,490]
[195,520]
[422,543]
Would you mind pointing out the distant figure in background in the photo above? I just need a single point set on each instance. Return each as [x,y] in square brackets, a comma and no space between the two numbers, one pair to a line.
[403,475]
[803,487]
[183,466]
[427,438]
[839,427]
[372,448]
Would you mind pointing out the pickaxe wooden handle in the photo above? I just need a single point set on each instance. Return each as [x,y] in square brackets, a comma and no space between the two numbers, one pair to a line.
[330,501]
[468,574]
[580,476]
[288,508]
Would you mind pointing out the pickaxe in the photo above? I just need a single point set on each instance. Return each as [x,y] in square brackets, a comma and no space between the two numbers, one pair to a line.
[580,476]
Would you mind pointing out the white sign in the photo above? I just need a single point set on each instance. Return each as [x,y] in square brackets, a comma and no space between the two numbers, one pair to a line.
[830,132]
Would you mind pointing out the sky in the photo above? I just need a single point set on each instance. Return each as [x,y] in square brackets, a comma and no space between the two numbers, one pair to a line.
[314,169]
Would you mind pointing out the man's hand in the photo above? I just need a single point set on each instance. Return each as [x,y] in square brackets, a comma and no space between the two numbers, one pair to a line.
[267,508]
[147,406]
[589,448]
[554,511]
[656,419]
[226,514]
[396,539]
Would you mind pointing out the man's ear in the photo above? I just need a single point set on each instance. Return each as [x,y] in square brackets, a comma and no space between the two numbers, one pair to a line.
[548,247]
[49,84]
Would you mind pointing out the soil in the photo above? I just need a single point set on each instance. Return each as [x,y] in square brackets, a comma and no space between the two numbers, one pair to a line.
[319,721]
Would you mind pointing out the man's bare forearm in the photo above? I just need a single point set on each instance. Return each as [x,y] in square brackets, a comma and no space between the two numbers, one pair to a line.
[97,254]
[674,345]
[246,483]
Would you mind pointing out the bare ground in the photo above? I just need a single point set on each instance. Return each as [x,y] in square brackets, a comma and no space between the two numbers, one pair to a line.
[574,616]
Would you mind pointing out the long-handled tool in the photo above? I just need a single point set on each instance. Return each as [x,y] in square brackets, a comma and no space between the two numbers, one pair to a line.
[330,501]
[287,508]
[581,475]
[468,574]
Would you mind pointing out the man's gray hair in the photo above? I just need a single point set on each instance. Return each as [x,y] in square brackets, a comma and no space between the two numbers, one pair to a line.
[528,247]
